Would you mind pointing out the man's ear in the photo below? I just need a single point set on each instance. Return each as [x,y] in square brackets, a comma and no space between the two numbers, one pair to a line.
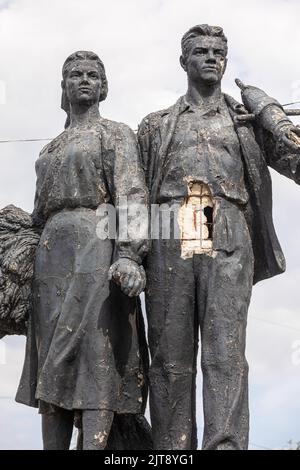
[182,63]
[63,85]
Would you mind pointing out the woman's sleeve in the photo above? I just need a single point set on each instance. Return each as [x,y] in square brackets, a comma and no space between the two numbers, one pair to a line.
[38,215]
[128,189]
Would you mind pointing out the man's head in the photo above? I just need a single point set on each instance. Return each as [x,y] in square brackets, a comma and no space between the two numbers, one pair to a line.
[204,52]
[84,80]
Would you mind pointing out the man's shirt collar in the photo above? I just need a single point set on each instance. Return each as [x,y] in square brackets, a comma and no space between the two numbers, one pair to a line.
[218,107]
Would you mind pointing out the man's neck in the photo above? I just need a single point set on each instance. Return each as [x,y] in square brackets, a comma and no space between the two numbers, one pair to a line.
[203,95]
[82,116]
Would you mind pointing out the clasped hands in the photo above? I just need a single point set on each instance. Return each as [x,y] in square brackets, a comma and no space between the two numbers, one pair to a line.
[129,276]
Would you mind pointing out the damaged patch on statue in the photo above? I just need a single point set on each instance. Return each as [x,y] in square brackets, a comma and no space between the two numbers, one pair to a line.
[100,437]
[294,138]
[195,221]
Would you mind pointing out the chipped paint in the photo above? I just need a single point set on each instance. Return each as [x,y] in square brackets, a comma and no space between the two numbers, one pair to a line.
[294,138]
[195,226]
[100,437]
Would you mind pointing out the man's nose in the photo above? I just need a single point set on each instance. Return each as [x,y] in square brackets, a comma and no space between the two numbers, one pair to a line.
[210,56]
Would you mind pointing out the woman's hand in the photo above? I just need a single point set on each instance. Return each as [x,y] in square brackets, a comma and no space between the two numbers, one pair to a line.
[129,276]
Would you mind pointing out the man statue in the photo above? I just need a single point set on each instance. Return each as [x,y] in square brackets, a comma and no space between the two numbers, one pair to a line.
[205,156]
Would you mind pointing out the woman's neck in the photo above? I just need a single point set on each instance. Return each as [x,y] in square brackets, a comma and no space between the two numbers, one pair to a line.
[81,116]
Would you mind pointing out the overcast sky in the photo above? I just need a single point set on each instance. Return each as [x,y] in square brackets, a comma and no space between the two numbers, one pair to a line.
[139,42]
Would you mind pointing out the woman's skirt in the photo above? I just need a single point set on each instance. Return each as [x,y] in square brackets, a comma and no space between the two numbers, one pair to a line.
[85,344]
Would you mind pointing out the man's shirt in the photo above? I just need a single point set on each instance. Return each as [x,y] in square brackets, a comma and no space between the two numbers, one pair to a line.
[205,148]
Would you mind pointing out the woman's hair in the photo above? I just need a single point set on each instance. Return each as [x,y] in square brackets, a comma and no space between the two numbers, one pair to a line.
[77,57]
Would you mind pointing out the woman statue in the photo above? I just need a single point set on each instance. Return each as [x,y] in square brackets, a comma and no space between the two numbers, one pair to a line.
[85,352]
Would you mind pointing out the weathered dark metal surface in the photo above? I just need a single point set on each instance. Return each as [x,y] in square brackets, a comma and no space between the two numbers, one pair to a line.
[86,356]
[208,138]
[86,352]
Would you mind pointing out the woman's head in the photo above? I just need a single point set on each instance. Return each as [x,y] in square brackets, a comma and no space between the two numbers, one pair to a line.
[84,80]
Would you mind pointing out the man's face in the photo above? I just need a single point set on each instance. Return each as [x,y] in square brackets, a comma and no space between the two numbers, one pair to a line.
[83,83]
[206,60]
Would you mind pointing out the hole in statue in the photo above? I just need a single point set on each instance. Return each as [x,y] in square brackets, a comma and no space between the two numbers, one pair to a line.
[208,212]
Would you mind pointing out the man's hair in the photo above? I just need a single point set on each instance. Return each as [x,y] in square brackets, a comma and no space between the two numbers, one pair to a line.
[201,30]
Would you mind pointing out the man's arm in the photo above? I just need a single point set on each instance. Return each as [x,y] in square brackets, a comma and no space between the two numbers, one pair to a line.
[148,145]
[278,156]
[275,132]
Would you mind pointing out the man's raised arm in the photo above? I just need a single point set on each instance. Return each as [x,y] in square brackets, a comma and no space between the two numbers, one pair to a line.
[276,133]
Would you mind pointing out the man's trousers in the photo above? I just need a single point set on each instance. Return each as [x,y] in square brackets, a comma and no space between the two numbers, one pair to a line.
[211,292]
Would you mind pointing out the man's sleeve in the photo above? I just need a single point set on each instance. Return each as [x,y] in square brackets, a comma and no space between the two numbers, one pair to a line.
[271,123]
[145,146]
[278,156]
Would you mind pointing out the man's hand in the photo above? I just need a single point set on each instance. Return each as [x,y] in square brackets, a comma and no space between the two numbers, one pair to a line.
[289,137]
[129,276]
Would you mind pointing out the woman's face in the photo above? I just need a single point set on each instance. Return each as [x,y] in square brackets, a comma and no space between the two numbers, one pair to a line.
[83,83]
